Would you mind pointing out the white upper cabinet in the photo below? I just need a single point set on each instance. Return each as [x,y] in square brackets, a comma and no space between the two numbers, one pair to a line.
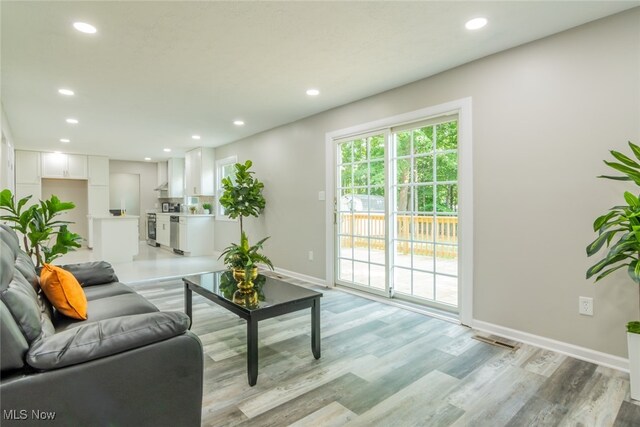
[59,165]
[27,165]
[175,175]
[98,170]
[199,172]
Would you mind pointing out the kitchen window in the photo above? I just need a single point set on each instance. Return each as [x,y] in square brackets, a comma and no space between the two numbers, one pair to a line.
[224,168]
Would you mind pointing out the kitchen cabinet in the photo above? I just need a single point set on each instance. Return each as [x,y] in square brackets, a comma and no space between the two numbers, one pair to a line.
[175,176]
[196,235]
[162,230]
[66,166]
[98,170]
[27,164]
[199,172]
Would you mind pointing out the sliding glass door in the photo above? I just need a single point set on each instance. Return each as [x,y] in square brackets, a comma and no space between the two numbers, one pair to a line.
[396,212]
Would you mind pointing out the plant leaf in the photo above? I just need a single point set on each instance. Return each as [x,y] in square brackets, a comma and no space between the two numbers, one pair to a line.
[595,246]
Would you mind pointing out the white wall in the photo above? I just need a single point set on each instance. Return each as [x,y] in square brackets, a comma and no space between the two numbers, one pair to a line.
[544,116]
[148,177]
[7,158]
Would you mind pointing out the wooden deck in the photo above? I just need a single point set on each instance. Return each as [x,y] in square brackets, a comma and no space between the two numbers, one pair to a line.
[385,366]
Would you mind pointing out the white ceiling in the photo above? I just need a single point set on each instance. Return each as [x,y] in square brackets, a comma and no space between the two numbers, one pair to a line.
[157,72]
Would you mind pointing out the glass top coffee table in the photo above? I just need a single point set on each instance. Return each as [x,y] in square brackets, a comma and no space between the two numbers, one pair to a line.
[274,298]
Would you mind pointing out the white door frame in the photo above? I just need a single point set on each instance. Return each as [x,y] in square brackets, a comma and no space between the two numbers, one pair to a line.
[465,190]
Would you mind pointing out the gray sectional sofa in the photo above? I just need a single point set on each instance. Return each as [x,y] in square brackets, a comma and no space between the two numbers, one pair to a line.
[128,364]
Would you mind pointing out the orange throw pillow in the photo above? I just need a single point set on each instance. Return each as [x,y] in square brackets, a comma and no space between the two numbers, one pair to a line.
[63,291]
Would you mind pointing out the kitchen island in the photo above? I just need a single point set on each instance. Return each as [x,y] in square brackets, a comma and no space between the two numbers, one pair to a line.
[114,238]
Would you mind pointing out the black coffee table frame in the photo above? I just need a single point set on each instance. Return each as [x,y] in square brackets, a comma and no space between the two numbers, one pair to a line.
[254,316]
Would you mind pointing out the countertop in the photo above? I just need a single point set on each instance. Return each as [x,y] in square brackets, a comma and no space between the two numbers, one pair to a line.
[113,217]
[184,214]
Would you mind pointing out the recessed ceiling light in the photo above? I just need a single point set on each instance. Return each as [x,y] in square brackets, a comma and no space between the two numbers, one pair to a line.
[167,150]
[72,121]
[313,92]
[238,122]
[65,140]
[147,158]
[195,136]
[83,27]
[475,23]
[67,92]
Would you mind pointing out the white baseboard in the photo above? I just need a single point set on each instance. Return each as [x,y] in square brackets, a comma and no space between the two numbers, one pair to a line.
[310,279]
[582,353]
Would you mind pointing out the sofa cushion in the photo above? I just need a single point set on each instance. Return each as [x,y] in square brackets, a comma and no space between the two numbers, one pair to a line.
[92,273]
[12,342]
[107,308]
[63,291]
[107,290]
[104,338]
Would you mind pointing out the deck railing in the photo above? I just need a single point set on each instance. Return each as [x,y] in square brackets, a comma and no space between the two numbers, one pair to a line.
[424,231]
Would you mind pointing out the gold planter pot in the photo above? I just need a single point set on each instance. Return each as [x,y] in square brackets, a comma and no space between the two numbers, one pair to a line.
[245,295]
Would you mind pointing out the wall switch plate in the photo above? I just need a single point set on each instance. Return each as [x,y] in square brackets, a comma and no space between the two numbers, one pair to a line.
[585,306]
[321,195]
[310,255]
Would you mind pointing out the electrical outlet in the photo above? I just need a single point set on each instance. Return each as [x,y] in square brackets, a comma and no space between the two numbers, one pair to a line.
[310,255]
[585,306]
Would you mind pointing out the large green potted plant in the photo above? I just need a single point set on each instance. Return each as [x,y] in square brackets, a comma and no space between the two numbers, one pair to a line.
[44,237]
[242,194]
[242,197]
[619,231]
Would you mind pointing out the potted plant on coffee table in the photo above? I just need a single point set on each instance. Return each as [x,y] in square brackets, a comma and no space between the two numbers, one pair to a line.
[619,230]
[242,197]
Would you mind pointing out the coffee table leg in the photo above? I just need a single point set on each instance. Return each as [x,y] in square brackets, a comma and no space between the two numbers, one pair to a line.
[252,351]
[315,328]
[187,303]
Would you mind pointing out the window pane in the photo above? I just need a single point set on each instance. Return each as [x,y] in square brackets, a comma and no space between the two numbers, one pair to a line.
[345,152]
[359,150]
[346,246]
[361,174]
[346,270]
[447,136]
[423,140]
[403,171]
[447,229]
[402,280]
[447,259]
[377,276]
[447,167]
[447,198]
[423,285]
[447,289]
[423,256]
[402,253]
[376,172]
[377,253]
[376,147]
[345,223]
[403,143]
[361,273]
[361,250]
[403,198]
[423,199]
[423,169]
[345,176]
[423,228]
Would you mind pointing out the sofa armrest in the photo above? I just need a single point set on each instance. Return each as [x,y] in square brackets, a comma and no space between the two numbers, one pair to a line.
[105,338]
[92,273]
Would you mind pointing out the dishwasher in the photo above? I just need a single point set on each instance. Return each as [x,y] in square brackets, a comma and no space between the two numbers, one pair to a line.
[174,234]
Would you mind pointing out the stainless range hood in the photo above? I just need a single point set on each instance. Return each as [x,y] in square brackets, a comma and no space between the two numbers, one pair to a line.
[162,187]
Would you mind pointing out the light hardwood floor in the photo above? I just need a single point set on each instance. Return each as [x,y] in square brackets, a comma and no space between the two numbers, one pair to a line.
[385,366]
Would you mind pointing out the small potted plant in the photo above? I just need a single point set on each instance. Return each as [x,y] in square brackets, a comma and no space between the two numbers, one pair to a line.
[206,207]
[619,230]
